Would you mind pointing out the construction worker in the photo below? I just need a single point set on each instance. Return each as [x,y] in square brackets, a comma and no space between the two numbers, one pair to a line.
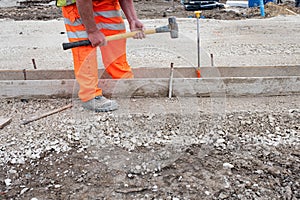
[93,20]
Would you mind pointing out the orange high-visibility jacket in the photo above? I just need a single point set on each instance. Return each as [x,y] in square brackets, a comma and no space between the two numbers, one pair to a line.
[109,21]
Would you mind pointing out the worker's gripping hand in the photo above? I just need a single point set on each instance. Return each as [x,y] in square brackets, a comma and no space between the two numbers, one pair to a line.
[97,39]
[137,25]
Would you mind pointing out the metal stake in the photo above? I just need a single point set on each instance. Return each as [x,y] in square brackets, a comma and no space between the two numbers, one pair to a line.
[171,81]
[197,14]
[33,62]
[24,73]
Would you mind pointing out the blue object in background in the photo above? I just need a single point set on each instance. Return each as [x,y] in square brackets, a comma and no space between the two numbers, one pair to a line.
[262,8]
[256,3]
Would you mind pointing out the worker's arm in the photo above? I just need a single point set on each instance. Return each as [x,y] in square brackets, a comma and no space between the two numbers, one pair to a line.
[85,9]
[134,23]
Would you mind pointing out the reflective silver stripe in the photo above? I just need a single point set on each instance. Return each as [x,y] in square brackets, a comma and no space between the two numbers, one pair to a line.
[77,22]
[83,34]
[100,25]
[77,34]
[111,26]
[108,14]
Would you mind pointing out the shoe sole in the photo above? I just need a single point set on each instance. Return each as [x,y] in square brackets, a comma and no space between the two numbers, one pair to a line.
[112,107]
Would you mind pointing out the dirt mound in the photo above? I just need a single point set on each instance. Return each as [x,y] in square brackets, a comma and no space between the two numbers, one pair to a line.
[149,9]
[283,9]
[271,10]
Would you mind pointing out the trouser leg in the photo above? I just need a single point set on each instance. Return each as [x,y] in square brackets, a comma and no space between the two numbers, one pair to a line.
[114,59]
[86,72]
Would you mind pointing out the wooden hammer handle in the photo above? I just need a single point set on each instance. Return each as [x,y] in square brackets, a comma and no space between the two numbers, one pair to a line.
[108,38]
[128,35]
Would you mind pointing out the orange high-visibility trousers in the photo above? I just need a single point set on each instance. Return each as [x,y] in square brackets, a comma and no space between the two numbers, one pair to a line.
[109,21]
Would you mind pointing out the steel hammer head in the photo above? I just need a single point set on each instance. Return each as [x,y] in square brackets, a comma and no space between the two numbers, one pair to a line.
[173,26]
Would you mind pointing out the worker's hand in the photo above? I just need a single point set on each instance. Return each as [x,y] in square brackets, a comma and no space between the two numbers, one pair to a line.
[136,25]
[97,38]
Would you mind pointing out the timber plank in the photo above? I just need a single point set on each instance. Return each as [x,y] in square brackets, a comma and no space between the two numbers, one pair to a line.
[182,72]
[158,87]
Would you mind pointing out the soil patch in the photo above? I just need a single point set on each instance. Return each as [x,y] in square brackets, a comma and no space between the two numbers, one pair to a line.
[149,9]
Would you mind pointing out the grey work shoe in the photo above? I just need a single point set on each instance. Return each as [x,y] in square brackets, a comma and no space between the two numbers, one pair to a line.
[100,104]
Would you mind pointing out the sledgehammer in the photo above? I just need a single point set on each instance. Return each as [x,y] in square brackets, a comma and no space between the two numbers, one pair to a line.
[172,27]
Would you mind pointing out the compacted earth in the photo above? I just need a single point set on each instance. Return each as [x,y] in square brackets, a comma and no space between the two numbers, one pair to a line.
[147,9]
[152,148]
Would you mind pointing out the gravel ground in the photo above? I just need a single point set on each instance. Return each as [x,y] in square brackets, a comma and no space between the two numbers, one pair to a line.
[153,149]
[180,148]
[253,42]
